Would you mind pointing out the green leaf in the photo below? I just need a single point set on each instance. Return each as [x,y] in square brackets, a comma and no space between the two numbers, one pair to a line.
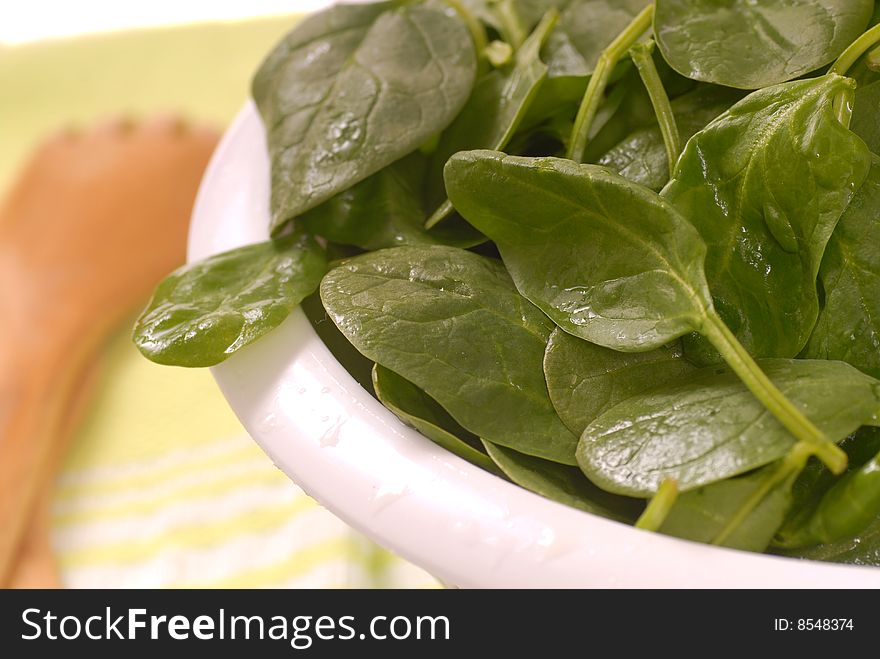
[494,111]
[585,29]
[864,120]
[748,44]
[765,185]
[609,261]
[864,549]
[633,285]
[815,481]
[641,156]
[585,380]
[563,484]
[202,313]
[452,323]
[829,509]
[386,210]
[708,427]
[417,409]
[702,514]
[354,88]
[848,327]
[358,366]
[849,507]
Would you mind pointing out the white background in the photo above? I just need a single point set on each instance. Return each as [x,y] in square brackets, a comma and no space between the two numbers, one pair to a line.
[29,20]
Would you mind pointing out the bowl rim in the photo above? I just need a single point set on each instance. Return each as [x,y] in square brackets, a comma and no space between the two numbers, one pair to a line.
[460,523]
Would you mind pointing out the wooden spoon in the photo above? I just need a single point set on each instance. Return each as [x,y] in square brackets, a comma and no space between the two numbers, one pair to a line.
[93,224]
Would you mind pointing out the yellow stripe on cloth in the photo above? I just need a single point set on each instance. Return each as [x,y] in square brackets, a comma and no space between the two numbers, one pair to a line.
[188,510]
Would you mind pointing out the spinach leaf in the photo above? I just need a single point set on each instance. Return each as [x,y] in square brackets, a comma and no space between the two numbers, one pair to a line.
[609,261]
[202,313]
[354,88]
[864,549]
[452,323]
[625,107]
[416,409]
[749,45]
[837,509]
[849,507]
[633,285]
[358,366]
[864,120]
[563,484]
[585,28]
[641,156]
[494,110]
[386,210]
[848,327]
[585,380]
[702,514]
[765,184]
[814,483]
[708,427]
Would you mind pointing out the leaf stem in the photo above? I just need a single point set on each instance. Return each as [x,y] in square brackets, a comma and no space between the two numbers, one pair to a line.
[530,50]
[511,24]
[791,465]
[843,104]
[770,396]
[499,53]
[642,57]
[658,509]
[855,50]
[476,28]
[599,81]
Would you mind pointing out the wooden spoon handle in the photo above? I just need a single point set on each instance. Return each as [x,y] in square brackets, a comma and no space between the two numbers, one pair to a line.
[94,222]
[34,430]
[35,565]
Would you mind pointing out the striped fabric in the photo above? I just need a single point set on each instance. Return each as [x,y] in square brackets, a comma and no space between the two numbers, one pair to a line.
[163,489]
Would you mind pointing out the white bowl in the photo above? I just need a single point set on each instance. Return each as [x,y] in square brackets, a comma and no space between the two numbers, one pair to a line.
[460,523]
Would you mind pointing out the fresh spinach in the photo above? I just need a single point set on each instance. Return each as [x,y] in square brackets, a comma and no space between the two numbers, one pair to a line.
[765,184]
[494,110]
[386,210]
[354,88]
[641,156]
[585,28]
[585,379]
[863,549]
[358,366]
[848,327]
[563,484]
[707,426]
[706,514]
[862,546]
[629,286]
[864,119]
[204,312]
[750,45]
[452,323]
[552,330]
[849,507]
[828,510]
[418,410]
